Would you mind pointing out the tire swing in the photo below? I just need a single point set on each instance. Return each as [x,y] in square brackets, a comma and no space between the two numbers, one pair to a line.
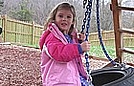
[119,74]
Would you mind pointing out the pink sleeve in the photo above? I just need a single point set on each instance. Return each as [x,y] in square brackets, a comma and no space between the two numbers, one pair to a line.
[42,38]
[60,51]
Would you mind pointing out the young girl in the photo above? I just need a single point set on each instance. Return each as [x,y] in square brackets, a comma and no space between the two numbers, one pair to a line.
[61,63]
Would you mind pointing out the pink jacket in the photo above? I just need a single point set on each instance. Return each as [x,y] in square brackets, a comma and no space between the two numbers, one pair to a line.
[61,63]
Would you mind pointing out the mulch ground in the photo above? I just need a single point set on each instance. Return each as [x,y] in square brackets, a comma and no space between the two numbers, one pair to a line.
[20,66]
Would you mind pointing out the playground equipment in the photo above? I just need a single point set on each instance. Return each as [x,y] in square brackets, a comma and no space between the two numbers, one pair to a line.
[116,73]
[119,31]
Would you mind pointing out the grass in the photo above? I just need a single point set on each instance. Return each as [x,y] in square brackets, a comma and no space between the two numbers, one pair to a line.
[36,46]
[33,46]
[97,51]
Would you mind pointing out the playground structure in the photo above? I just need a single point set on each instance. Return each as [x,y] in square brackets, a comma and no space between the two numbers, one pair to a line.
[116,9]
[119,31]
[116,73]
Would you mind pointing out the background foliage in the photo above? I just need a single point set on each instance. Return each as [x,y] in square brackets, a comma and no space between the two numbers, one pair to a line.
[38,10]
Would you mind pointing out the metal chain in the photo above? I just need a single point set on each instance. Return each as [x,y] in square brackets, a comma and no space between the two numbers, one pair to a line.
[99,34]
[86,22]
[84,3]
[87,18]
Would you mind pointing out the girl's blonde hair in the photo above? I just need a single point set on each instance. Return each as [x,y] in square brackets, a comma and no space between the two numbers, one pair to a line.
[63,5]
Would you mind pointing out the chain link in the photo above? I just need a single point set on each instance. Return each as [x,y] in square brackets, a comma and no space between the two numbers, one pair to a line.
[86,22]
[99,34]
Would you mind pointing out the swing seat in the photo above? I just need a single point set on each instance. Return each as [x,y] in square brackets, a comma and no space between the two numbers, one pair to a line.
[113,76]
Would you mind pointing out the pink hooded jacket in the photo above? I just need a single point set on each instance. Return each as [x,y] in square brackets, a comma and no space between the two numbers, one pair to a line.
[61,64]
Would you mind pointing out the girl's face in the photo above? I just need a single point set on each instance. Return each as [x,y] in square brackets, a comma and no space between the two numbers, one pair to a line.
[64,20]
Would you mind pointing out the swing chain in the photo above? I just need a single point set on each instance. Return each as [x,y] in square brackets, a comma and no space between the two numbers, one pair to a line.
[84,3]
[87,18]
[99,35]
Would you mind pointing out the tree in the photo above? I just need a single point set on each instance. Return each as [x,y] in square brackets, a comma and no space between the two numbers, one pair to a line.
[1,5]
[24,14]
[38,10]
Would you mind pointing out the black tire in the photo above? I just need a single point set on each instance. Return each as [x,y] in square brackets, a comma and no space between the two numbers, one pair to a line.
[113,76]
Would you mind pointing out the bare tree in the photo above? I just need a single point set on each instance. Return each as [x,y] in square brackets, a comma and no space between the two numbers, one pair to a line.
[41,8]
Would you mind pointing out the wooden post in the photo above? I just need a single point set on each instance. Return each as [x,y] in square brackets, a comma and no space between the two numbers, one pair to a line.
[32,41]
[117,27]
[4,20]
[0,38]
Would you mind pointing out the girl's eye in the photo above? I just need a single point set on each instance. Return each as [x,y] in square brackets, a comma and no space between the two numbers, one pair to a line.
[60,16]
[68,16]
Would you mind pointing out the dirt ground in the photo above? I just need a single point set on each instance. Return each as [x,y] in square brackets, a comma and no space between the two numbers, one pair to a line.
[20,66]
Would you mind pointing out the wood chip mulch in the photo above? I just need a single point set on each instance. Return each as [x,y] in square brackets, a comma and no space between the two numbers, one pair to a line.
[20,66]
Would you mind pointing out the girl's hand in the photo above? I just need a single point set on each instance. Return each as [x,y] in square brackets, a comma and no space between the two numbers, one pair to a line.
[85,46]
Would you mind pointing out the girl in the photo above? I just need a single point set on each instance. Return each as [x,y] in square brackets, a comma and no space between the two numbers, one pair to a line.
[61,63]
